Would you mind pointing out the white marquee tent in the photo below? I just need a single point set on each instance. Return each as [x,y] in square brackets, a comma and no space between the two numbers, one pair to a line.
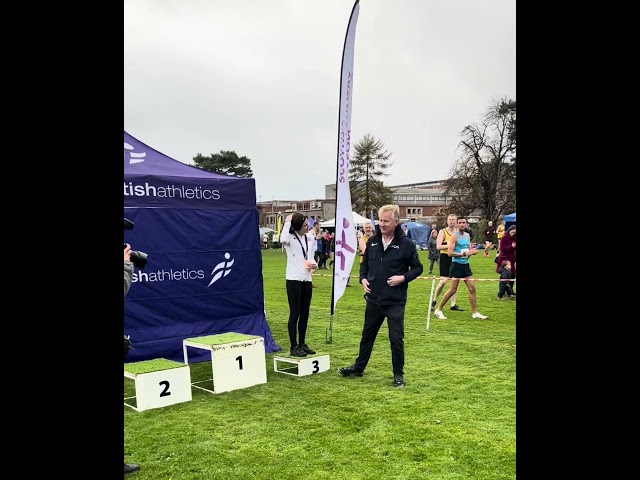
[357,218]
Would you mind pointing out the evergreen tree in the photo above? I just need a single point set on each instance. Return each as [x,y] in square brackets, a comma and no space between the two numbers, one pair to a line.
[367,168]
[226,162]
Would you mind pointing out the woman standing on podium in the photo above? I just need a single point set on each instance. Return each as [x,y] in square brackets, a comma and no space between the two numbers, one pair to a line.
[300,246]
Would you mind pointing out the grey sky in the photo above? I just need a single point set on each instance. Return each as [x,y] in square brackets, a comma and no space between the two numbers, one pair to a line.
[262,78]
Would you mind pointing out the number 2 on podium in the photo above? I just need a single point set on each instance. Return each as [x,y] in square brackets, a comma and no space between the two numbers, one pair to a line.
[165,392]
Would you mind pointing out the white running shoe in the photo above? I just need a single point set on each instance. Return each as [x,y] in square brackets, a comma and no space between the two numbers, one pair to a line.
[479,315]
[439,314]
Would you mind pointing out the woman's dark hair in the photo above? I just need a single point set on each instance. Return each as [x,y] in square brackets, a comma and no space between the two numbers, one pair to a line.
[297,219]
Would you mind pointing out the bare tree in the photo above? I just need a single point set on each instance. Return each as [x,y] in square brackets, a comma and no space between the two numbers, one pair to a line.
[367,168]
[483,178]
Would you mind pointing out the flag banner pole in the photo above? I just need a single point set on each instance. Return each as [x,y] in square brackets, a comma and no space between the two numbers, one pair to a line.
[433,282]
[345,232]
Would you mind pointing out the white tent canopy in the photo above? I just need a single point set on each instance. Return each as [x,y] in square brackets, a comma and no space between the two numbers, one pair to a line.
[357,218]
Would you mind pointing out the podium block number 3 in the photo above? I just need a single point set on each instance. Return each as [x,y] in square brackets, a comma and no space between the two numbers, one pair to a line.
[311,366]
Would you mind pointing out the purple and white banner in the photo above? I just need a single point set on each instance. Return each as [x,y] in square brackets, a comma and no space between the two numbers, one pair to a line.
[346,244]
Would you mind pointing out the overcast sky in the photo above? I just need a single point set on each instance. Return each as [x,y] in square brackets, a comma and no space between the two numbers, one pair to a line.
[262,78]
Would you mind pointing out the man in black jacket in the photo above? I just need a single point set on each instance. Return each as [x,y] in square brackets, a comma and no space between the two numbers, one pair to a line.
[390,261]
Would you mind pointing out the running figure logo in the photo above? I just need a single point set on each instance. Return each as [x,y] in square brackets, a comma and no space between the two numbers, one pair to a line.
[221,270]
[344,245]
[133,156]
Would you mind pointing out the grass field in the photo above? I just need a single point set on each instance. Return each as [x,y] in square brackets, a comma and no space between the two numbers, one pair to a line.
[455,419]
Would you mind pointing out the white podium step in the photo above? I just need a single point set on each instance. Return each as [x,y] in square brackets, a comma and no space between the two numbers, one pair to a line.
[237,360]
[301,366]
[158,383]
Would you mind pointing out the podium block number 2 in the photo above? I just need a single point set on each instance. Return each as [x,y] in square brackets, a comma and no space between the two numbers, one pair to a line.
[164,391]
[163,388]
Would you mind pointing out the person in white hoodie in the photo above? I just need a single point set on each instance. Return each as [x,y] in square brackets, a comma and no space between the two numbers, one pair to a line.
[300,246]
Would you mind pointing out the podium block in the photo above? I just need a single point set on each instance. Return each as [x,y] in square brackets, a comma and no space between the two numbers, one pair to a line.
[237,360]
[301,366]
[158,383]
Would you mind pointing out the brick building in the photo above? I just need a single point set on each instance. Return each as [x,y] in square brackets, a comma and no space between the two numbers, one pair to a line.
[419,202]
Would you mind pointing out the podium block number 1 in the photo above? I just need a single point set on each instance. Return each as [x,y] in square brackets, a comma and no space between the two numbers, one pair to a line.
[239,365]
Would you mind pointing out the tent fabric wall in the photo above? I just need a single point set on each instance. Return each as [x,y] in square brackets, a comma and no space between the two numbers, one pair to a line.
[509,220]
[204,274]
[418,232]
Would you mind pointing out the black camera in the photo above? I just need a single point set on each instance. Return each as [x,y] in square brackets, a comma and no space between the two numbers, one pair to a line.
[127,345]
[139,259]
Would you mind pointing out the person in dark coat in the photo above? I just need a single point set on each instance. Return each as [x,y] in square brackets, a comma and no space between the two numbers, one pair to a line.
[507,251]
[389,263]
[432,248]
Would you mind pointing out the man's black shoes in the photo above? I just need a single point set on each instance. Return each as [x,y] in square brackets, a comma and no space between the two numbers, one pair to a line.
[349,372]
[131,467]
[456,307]
[307,350]
[398,381]
[297,351]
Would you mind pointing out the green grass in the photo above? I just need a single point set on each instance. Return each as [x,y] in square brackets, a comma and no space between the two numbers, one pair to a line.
[153,365]
[455,419]
[221,338]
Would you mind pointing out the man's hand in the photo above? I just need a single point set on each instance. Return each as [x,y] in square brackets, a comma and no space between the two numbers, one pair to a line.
[365,285]
[395,280]
[127,253]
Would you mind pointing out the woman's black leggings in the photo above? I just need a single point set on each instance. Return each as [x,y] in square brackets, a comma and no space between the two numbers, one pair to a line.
[299,296]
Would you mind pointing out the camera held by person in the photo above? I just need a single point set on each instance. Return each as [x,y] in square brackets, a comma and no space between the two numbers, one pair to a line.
[139,259]
[127,345]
